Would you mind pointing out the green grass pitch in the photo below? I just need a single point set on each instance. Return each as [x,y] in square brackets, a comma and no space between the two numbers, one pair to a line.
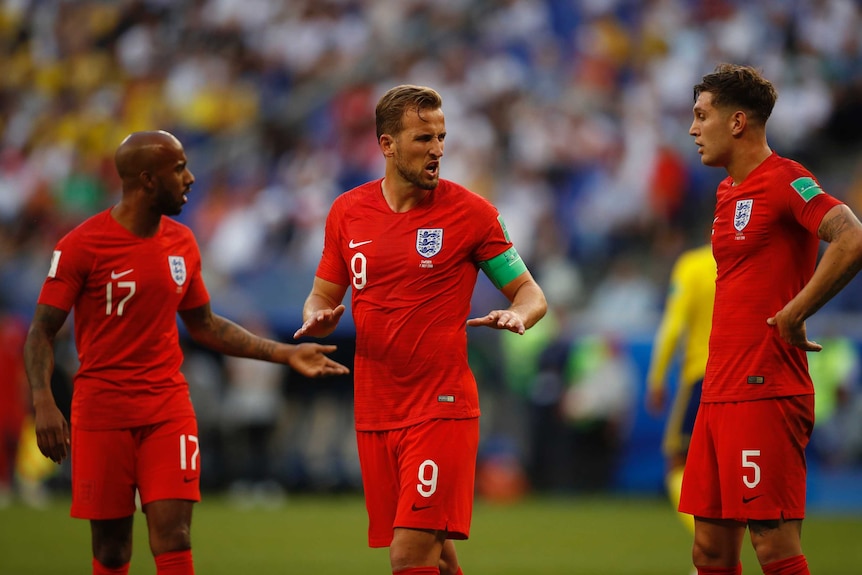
[325,535]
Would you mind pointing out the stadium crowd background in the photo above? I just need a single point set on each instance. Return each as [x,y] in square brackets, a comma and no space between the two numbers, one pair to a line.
[571,116]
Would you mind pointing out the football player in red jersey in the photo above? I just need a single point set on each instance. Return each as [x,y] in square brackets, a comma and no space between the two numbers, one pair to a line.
[127,272]
[746,462]
[410,245]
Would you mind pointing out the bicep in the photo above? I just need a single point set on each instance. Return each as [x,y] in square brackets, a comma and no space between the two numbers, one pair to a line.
[839,222]
[198,319]
[47,320]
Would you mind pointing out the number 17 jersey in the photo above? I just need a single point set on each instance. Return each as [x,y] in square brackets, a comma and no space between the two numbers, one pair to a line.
[126,291]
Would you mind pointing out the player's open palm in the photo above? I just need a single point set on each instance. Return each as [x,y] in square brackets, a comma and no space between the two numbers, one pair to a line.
[320,323]
[500,319]
[310,360]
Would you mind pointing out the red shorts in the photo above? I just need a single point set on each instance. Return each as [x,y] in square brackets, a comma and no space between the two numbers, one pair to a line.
[747,460]
[419,477]
[161,461]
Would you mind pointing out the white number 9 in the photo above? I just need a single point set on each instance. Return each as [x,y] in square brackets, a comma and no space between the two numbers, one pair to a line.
[358,265]
[427,485]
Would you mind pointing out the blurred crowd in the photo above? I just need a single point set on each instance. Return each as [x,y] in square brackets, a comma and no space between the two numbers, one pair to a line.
[570,115]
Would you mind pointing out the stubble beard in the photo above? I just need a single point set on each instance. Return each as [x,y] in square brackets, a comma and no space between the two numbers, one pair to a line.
[416,177]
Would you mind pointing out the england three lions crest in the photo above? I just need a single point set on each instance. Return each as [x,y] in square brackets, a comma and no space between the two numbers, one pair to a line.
[743,214]
[429,241]
[178,269]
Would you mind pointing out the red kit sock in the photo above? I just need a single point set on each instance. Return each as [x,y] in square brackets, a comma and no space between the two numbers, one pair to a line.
[791,566]
[720,570]
[418,571]
[175,563]
[99,569]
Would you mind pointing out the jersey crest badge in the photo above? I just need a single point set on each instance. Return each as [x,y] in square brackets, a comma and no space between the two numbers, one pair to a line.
[178,269]
[429,241]
[742,215]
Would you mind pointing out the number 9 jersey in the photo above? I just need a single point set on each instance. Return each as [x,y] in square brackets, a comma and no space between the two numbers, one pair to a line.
[412,276]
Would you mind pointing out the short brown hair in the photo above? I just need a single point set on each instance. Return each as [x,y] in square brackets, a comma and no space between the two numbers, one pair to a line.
[732,85]
[394,103]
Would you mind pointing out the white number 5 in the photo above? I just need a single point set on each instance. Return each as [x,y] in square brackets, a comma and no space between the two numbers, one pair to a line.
[747,462]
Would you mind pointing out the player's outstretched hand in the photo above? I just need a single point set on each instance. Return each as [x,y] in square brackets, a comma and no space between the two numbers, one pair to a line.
[500,319]
[321,323]
[792,332]
[309,360]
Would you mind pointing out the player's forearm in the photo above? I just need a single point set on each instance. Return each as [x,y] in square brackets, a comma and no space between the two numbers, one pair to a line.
[529,303]
[839,264]
[226,337]
[39,365]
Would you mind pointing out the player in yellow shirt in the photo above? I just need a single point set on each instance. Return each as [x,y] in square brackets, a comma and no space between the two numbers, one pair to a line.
[684,330]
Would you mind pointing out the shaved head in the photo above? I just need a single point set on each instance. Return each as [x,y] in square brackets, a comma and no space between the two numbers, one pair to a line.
[154,171]
[143,152]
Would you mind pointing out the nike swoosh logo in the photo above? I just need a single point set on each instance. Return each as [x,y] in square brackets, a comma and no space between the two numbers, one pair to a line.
[187,479]
[353,244]
[416,508]
[750,499]
[115,275]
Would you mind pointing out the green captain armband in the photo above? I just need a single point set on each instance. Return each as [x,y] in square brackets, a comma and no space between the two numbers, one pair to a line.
[504,268]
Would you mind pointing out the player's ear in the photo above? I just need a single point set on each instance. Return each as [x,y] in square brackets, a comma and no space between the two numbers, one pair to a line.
[387,145]
[147,181]
[738,121]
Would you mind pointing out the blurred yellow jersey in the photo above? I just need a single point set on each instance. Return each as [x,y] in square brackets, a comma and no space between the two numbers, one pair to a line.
[687,319]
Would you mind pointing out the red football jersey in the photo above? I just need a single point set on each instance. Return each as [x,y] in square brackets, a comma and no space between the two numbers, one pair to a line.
[412,275]
[126,291]
[764,239]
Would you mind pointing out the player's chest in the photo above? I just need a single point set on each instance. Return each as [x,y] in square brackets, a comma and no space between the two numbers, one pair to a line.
[743,223]
[404,248]
[149,271]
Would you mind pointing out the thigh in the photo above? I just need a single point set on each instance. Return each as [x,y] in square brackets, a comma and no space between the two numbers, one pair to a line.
[761,457]
[169,461]
[103,473]
[379,468]
[420,477]
[747,460]
[701,493]
[437,471]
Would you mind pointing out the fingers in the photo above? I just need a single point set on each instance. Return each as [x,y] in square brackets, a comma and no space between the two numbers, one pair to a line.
[55,448]
[500,320]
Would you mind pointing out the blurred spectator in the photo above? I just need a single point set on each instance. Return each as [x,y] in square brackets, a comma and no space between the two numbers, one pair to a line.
[837,436]
[598,406]
[250,412]
[15,403]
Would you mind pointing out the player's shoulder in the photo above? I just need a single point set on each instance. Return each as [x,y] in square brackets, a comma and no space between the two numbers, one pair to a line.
[95,225]
[358,195]
[172,226]
[455,194]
